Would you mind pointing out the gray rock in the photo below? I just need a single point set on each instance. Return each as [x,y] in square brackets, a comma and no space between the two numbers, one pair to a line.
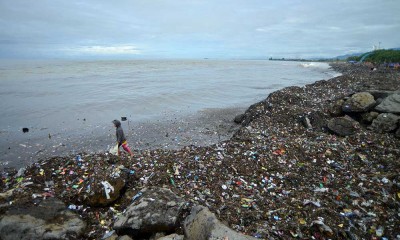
[343,126]
[157,210]
[125,237]
[359,102]
[385,122]
[369,117]
[49,220]
[201,224]
[380,93]
[391,104]
[157,236]
[397,134]
[378,101]
[239,118]
[172,237]
[7,194]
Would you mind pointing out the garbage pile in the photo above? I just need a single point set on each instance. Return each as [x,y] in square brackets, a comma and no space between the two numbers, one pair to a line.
[283,175]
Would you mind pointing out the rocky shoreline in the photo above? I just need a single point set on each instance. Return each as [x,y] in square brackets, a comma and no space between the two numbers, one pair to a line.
[308,162]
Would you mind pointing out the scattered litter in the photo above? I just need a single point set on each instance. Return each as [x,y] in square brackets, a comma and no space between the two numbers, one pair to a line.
[321,189]
[108,234]
[322,227]
[307,202]
[137,196]
[107,188]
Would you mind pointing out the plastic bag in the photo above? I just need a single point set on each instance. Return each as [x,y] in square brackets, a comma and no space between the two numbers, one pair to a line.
[114,150]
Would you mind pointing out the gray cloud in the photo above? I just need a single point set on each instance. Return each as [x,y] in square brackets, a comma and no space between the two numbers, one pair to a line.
[194,28]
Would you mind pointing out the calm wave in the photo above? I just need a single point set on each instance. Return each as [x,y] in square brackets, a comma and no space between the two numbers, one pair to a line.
[44,94]
[69,99]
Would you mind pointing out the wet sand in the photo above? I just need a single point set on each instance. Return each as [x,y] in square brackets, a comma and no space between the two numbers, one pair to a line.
[203,128]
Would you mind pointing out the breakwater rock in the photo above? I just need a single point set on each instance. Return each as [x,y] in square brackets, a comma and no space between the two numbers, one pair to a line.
[285,174]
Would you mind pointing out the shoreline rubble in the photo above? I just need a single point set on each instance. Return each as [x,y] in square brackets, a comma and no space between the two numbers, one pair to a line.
[284,174]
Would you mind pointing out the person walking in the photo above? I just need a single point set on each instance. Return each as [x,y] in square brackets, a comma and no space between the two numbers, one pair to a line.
[121,139]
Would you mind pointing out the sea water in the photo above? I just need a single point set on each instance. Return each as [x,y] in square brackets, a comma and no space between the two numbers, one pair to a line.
[63,102]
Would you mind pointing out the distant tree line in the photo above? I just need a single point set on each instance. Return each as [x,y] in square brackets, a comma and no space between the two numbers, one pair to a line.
[378,56]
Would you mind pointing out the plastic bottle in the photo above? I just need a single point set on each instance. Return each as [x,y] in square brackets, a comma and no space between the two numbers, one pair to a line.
[172,181]
[138,195]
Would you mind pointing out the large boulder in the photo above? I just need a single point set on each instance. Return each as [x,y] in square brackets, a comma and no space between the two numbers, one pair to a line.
[391,104]
[359,102]
[105,193]
[49,220]
[385,122]
[380,93]
[154,210]
[202,224]
[343,126]
[172,237]
[239,118]
[6,195]
[125,237]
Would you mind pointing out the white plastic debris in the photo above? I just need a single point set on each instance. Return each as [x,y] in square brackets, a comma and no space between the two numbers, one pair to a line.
[322,227]
[315,203]
[321,190]
[107,188]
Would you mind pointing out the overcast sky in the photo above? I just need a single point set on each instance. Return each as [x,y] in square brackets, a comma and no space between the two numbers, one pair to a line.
[195,28]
